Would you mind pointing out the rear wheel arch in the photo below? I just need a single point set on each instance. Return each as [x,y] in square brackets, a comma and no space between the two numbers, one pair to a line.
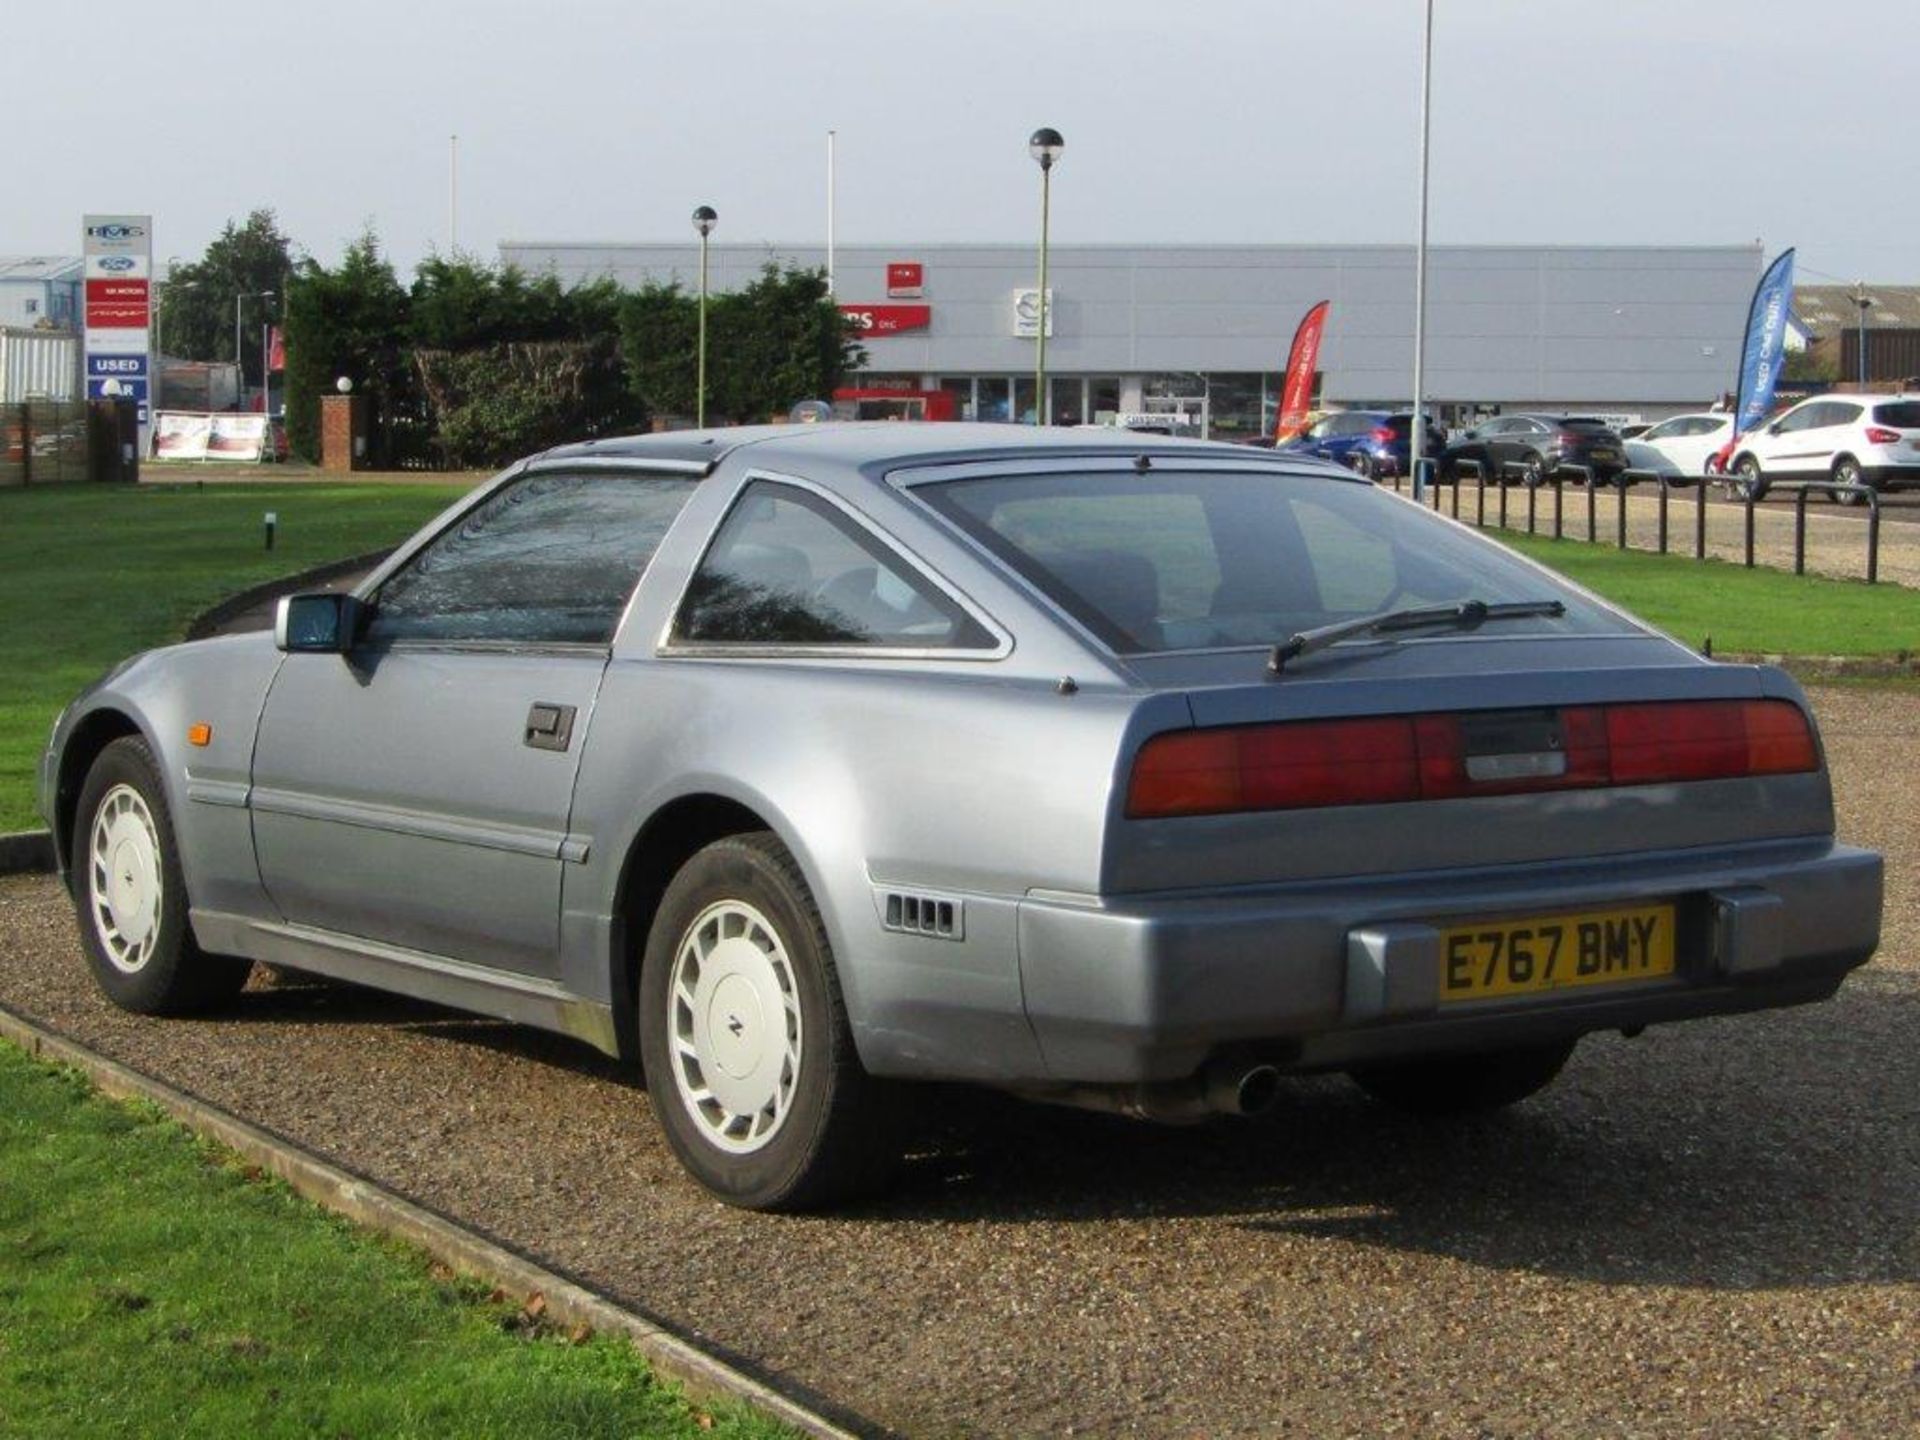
[671,836]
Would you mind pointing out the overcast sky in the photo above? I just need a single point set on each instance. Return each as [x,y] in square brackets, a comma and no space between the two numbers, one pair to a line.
[1554,121]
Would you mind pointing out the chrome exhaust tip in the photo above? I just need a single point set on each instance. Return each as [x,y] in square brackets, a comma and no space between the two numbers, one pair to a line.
[1242,1089]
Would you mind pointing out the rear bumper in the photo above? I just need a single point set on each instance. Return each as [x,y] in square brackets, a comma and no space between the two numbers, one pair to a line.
[1892,477]
[1323,976]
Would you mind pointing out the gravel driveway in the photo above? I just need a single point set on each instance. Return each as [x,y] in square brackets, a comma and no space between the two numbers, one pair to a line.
[1711,1230]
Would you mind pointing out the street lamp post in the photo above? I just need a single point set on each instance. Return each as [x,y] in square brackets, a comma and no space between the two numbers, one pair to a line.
[1865,302]
[704,219]
[1045,146]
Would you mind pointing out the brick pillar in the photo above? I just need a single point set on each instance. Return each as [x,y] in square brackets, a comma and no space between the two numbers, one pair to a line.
[343,432]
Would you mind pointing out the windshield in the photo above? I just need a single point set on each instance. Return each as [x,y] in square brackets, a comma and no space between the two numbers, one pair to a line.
[1170,561]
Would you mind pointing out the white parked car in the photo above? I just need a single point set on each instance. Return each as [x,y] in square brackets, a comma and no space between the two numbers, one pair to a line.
[1689,441]
[1866,440]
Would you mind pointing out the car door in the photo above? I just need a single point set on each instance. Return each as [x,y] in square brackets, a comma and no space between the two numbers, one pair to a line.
[416,791]
[1527,441]
[1495,438]
[1783,446]
[1836,435]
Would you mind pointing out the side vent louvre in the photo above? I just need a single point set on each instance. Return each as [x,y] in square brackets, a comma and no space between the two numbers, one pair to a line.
[939,916]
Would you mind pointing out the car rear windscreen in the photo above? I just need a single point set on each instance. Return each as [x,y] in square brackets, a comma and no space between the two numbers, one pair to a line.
[1901,414]
[1583,422]
[1165,560]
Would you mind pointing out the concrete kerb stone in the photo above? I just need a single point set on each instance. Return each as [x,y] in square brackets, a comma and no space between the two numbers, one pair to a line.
[26,851]
[367,1203]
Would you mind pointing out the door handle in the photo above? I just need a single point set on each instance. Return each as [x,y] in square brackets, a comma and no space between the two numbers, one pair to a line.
[549,726]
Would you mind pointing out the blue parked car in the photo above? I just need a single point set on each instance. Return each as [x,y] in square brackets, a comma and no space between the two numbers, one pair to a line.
[1373,443]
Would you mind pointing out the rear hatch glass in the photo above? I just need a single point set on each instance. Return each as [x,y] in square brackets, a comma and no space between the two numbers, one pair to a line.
[1901,414]
[1168,561]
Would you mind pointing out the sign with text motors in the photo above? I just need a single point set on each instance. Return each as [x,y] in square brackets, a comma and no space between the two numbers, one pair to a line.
[118,252]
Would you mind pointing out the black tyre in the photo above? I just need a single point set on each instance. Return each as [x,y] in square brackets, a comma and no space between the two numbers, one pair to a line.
[1361,464]
[1534,472]
[1847,471]
[1747,480]
[743,1033]
[1466,1084]
[132,898]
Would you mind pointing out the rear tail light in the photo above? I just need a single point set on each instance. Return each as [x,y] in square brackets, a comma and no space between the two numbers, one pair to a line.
[1878,436]
[1382,436]
[1393,759]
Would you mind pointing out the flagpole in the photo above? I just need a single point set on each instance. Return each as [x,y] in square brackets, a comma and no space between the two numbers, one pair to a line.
[831,134]
[1417,437]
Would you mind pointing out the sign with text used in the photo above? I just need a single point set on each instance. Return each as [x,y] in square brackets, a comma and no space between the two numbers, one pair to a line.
[873,320]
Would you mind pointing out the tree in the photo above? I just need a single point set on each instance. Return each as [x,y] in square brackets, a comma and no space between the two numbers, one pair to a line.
[509,363]
[779,341]
[657,345]
[198,303]
[776,342]
[350,321]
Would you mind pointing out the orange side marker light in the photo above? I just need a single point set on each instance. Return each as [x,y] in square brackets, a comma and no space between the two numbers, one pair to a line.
[201,735]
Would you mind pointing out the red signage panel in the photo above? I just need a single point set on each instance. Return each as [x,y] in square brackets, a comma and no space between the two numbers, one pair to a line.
[874,320]
[117,292]
[117,315]
[904,278]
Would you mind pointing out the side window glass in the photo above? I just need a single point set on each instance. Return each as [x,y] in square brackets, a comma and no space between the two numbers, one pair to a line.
[788,568]
[551,559]
[1841,413]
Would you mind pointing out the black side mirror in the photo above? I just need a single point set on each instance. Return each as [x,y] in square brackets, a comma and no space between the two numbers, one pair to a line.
[1774,429]
[317,624]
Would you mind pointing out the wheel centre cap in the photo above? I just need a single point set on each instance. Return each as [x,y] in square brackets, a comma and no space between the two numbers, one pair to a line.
[127,880]
[736,1026]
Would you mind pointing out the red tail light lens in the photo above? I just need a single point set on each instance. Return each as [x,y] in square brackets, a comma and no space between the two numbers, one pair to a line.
[1382,760]
[1382,435]
[1879,436]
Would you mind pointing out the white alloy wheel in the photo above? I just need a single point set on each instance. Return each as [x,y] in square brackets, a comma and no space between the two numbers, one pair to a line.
[124,880]
[734,1030]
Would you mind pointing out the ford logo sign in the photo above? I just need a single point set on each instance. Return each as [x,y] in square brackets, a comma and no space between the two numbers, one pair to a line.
[119,264]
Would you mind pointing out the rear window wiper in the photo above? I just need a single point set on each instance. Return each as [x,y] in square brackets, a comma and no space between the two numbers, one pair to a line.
[1467,614]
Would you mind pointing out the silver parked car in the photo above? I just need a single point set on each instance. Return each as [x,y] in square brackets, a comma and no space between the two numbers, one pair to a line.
[1114,770]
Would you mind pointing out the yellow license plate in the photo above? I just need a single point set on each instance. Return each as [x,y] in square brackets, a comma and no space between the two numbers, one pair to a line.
[1555,952]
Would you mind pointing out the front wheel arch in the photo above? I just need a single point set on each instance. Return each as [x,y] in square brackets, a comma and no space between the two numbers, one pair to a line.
[91,735]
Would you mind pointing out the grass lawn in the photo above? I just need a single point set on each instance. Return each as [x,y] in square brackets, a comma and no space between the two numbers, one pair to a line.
[90,574]
[1769,612]
[152,1285]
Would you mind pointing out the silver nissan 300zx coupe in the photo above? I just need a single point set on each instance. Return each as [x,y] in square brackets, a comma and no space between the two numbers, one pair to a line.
[1114,770]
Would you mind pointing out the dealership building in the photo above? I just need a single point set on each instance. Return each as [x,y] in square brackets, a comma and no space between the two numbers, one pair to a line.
[1202,331]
